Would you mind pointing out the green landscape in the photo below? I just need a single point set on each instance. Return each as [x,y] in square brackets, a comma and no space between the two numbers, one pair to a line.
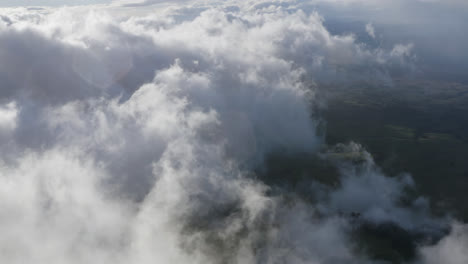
[419,127]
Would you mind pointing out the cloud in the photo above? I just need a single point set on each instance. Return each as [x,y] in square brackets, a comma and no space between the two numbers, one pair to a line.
[451,249]
[136,139]
[370,30]
[365,189]
[8,114]
[423,23]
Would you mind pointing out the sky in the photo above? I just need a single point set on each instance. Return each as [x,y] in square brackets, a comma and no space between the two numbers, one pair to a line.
[137,132]
[18,3]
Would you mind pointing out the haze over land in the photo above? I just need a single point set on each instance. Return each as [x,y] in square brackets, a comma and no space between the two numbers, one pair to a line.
[233,132]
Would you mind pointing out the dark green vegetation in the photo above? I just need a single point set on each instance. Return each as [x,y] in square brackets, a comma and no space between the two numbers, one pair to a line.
[386,242]
[418,127]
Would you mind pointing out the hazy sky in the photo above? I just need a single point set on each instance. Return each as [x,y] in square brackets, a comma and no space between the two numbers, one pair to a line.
[14,3]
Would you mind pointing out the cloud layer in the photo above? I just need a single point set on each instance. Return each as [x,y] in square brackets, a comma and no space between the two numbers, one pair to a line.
[135,139]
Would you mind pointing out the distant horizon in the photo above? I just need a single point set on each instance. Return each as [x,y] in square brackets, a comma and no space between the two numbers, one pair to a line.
[50,3]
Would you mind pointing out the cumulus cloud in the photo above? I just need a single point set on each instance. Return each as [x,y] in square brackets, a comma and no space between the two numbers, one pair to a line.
[135,139]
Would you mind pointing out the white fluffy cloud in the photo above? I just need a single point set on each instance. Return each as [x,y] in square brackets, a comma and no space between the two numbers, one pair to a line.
[451,249]
[132,139]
